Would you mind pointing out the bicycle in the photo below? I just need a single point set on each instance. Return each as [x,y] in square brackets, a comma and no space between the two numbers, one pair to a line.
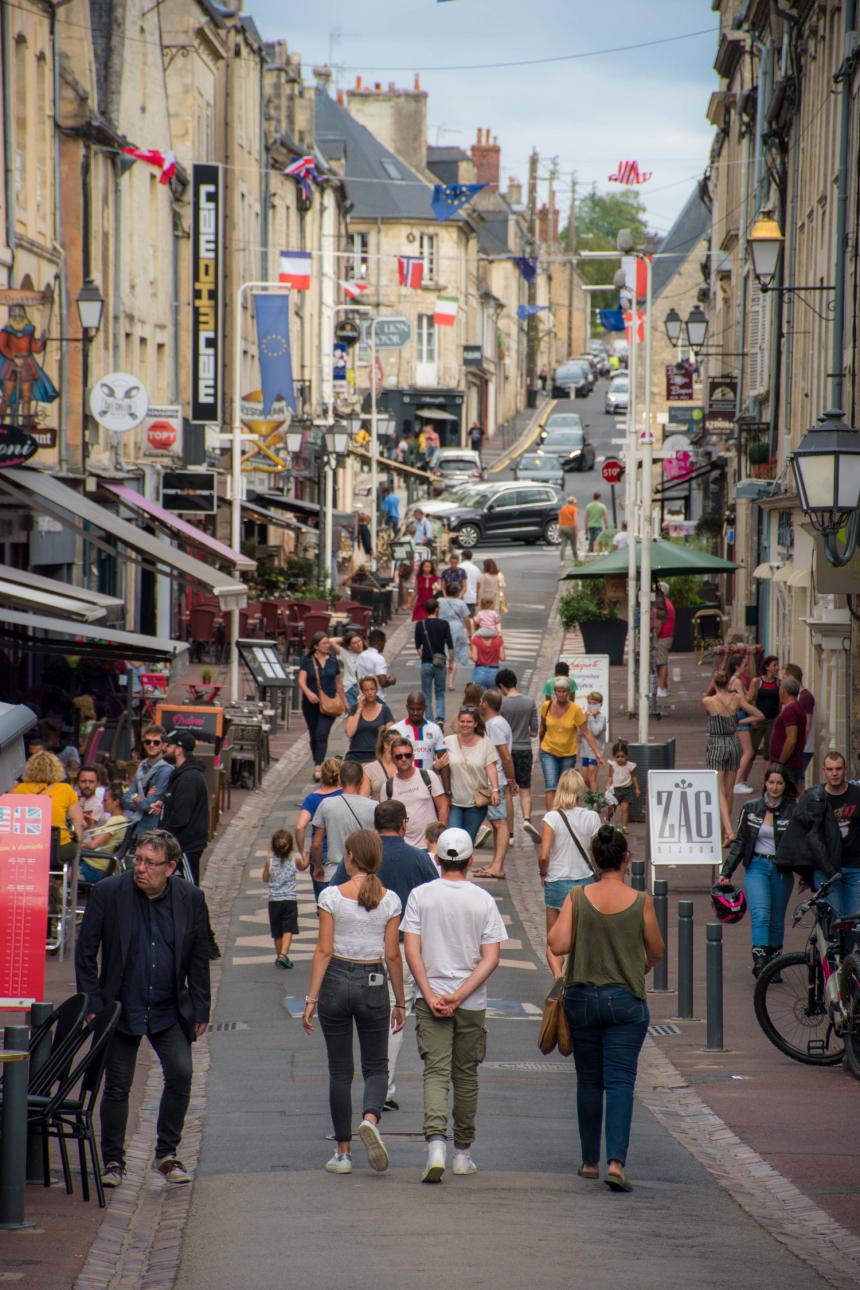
[807,1002]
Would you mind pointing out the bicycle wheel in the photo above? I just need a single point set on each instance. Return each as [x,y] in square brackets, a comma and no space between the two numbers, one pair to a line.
[850,991]
[792,1011]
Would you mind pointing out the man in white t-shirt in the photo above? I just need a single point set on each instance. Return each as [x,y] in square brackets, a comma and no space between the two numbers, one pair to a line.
[452,937]
[426,737]
[91,796]
[501,736]
[370,662]
[420,791]
[473,577]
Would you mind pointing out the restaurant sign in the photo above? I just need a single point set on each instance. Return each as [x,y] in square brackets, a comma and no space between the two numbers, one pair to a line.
[207,291]
[17,445]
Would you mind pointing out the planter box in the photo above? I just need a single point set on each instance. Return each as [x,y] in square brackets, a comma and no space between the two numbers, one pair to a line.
[605,636]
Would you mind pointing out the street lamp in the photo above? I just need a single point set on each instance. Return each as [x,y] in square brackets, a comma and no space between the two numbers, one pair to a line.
[826,465]
[293,440]
[696,328]
[765,243]
[90,302]
[673,326]
[336,438]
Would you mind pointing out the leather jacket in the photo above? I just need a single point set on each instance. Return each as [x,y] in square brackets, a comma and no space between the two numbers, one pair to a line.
[751,819]
[813,840]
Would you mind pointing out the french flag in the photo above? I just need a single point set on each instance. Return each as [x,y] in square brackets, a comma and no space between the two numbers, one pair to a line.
[410,271]
[295,270]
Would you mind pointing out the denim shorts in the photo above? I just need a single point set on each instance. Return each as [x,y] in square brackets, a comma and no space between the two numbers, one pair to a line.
[553,767]
[555,893]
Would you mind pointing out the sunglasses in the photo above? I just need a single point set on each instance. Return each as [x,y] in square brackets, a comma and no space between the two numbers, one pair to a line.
[403,756]
[152,741]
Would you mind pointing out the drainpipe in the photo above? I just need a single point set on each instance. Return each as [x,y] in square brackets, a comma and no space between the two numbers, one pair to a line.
[8,141]
[63,419]
[850,11]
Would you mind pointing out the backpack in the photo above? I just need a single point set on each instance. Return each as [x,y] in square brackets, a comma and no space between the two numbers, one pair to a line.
[389,784]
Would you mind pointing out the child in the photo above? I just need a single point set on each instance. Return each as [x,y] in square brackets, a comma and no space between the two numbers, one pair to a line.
[432,833]
[489,623]
[597,725]
[279,872]
[622,779]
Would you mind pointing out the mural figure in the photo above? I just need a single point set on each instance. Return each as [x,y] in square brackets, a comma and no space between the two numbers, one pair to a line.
[23,380]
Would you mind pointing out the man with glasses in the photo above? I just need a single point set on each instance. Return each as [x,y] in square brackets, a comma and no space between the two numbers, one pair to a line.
[420,791]
[149,928]
[149,783]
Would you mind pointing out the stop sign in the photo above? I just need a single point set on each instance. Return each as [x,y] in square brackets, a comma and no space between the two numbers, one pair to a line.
[612,470]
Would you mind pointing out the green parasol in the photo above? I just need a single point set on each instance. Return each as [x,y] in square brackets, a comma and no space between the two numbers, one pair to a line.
[668,559]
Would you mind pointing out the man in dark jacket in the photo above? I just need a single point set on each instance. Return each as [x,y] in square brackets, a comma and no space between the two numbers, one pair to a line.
[185,806]
[150,928]
[823,837]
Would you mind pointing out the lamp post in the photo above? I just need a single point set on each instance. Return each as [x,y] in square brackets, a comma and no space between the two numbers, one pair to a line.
[826,466]
[90,303]
[765,243]
[335,444]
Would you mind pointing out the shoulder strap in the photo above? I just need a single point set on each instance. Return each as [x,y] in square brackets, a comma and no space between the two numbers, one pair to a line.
[352,812]
[568,967]
[579,845]
[389,787]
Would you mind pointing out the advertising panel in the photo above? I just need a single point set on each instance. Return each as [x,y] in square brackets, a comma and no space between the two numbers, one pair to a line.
[207,291]
[25,853]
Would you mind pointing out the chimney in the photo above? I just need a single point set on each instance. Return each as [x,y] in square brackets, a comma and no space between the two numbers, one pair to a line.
[547,226]
[341,99]
[358,82]
[397,117]
[515,191]
[487,158]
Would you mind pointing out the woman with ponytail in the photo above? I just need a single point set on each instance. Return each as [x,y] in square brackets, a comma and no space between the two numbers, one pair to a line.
[611,937]
[358,939]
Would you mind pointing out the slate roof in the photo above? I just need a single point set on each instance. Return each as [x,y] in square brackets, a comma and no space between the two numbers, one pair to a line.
[682,239]
[438,152]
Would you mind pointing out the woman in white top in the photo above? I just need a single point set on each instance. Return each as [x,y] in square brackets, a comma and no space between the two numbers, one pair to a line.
[474,765]
[347,649]
[565,848]
[358,938]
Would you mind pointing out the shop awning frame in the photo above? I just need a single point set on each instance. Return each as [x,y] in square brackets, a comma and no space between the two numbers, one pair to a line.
[38,598]
[85,638]
[101,605]
[176,526]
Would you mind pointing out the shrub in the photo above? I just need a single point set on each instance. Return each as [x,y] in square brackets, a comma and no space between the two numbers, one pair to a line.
[584,603]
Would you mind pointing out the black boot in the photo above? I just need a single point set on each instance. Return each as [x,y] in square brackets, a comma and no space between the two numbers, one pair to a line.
[773,951]
[759,958]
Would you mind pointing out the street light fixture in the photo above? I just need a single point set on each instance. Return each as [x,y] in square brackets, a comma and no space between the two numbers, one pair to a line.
[765,243]
[90,302]
[826,465]
[673,326]
[294,440]
[336,440]
[697,329]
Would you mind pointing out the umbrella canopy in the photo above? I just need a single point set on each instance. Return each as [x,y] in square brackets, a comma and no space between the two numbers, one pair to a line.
[667,559]
[435,414]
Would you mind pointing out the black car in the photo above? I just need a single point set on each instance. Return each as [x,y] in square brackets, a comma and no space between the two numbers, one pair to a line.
[572,380]
[519,511]
[573,448]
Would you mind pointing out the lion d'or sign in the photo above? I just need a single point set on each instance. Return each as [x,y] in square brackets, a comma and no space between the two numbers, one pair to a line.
[118,402]
[684,817]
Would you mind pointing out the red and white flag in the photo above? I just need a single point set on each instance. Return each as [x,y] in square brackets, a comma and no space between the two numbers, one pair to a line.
[295,270]
[354,289]
[640,330]
[628,172]
[446,311]
[165,161]
[410,271]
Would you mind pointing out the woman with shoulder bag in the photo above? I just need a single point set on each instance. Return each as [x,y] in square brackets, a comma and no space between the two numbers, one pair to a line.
[611,937]
[363,726]
[474,765]
[565,851]
[323,698]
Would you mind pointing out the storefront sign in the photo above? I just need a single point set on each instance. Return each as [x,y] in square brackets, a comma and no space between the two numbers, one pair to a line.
[684,817]
[689,418]
[719,424]
[25,852]
[723,394]
[347,331]
[119,402]
[45,436]
[679,466]
[392,332]
[162,431]
[679,383]
[590,672]
[16,445]
[473,356]
[205,724]
[339,366]
[206,291]
[189,492]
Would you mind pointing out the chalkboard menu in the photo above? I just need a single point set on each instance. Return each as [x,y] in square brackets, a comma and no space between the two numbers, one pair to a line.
[205,724]
[264,662]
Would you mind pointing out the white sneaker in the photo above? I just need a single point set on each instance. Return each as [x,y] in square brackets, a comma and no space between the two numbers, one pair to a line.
[530,829]
[377,1154]
[435,1166]
[742,788]
[463,1163]
[663,694]
[483,833]
[339,1164]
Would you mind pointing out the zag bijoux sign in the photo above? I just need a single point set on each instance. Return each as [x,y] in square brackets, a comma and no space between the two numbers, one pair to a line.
[684,817]
[207,291]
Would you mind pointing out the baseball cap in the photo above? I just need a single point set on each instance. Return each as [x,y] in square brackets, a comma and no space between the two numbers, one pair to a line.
[454,844]
[183,739]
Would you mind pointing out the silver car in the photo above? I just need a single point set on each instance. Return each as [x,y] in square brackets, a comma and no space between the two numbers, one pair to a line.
[542,467]
[450,466]
[618,394]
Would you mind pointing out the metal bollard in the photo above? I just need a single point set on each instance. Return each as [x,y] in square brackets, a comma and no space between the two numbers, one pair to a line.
[39,1013]
[661,909]
[714,986]
[637,879]
[13,1132]
[685,958]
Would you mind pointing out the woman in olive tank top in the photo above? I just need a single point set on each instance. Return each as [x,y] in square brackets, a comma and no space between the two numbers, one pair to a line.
[616,940]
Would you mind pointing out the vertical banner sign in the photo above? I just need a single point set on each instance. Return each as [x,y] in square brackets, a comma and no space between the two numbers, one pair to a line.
[207,291]
[684,817]
[25,852]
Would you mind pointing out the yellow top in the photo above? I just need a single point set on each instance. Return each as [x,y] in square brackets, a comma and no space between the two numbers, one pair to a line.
[562,732]
[62,797]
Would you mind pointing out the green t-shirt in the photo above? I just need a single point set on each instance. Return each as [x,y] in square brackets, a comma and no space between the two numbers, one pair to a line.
[595,515]
[548,688]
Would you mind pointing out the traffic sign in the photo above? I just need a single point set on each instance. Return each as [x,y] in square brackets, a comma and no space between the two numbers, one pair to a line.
[612,470]
[392,332]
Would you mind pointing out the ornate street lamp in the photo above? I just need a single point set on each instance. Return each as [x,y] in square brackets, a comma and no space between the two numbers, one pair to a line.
[826,465]
[697,328]
[336,439]
[673,326]
[293,439]
[765,243]
[90,302]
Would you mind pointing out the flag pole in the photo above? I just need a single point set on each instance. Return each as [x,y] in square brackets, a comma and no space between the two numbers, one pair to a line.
[630,510]
[646,520]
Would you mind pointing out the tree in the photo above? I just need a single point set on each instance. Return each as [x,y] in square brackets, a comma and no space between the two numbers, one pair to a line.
[599,216]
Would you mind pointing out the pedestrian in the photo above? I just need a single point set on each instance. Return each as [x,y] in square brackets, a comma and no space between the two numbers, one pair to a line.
[761,828]
[521,714]
[376,772]
[736,672]
[492,584]
[472,695]
[434,832]
[564,862]
[823,837]
[362,726]
[561,721]
[44,774]
[622,782]
[474,773]
[148,784]
[473,578]
[486,652]
[723,750]
[329,786]
[543,378]
[596,722]
[143,942]
[764,693]
[500,735]
[184,809]
[423,529]
[453,934]
[421,792]
[371,661]
[356,943]
[561,669]
[789,730]
[336,817]
[426,737]
[568,529]
[665,637]
[428,585]
[347,649]
[91,794]
[391,510]
[453,576]
[596,520]
[105,837]
[435,645]
[454,610]
[279,873]
[362,533]
[610,935]
[476,437]
[487,622]
[806,699]
[322,693]
[622,538]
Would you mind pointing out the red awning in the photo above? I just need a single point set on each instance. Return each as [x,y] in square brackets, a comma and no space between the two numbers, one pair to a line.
[180,527]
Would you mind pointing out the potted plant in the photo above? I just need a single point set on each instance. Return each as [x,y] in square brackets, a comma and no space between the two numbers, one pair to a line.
[603,632]
[685,595]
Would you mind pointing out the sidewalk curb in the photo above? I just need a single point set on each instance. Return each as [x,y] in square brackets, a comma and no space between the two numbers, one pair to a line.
[527,436]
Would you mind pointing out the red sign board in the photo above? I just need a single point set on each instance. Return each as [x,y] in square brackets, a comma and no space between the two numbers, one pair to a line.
[25,852]
[679,383]
[612,470]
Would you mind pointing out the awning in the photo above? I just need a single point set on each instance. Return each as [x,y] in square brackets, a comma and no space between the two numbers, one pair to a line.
[763,572]
[698,473]
[86,639]
[668,558]
[103,606]
[435,414]
[298,506]
[281,521]
[176,525]
[37,598]
[62,502]
[384,465]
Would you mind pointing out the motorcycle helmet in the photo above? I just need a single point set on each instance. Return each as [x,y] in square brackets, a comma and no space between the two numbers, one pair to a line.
[730,903]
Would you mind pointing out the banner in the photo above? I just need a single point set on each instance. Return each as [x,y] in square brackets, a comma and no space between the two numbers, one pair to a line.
[25,853]
[272,313]
[207,291]
[684,817]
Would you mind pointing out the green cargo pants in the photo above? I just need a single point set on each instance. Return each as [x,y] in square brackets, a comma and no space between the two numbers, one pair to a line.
[452,1048]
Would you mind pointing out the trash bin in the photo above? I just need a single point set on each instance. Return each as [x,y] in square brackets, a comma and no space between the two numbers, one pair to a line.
[649,757]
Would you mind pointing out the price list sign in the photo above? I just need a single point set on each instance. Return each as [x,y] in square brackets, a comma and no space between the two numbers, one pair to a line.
[25,852]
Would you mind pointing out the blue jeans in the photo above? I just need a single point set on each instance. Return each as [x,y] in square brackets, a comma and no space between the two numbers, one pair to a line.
[843,897]
[484,676]
[608,1025]
[346,997]
[553,768]
[768,891]
[351,697]
[433,678]
[469,818]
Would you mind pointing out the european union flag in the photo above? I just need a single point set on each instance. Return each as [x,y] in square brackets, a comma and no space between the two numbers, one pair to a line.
[528,311]
[527,265]
[450,198]
[273,341]
[611,319]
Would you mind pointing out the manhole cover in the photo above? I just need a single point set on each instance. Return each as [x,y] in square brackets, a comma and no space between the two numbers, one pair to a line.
[663,1028]
[527,1066]
[227,1025]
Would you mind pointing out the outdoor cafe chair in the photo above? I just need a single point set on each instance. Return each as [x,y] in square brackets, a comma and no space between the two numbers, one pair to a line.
[202,630]
[63,1025]
[315,622]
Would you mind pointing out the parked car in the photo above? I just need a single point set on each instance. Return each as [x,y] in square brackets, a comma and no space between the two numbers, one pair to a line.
[521,512]
[454,466]
[573,449]
[572,380]
[434,506]
[539,466]
[592,364]
[617,396]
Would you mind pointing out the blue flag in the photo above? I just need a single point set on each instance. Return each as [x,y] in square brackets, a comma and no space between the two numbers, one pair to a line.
[528,311]
[611,319]
[449,198]
[527,265]
[273,341]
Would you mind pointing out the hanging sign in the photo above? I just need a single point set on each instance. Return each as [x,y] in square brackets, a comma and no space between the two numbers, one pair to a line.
[119,402]
[723,395]
[25,853]
[207,290]
[679,383]
[684,817]
[162,431]
[16,445]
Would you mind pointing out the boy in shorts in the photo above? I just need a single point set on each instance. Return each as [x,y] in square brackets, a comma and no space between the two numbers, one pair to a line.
[622,780]
[279,872]
[596,722]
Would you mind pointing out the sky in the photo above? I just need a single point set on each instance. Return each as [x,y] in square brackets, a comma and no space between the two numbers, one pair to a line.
[645,104]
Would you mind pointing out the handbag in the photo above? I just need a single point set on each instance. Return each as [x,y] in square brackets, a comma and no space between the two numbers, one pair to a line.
[554,1027]
[438,660]
[586,857]
[329,706]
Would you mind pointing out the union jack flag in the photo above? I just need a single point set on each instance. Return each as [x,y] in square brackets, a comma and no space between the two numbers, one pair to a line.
[628,172]
[305,171]
[23,821]
[410,270]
